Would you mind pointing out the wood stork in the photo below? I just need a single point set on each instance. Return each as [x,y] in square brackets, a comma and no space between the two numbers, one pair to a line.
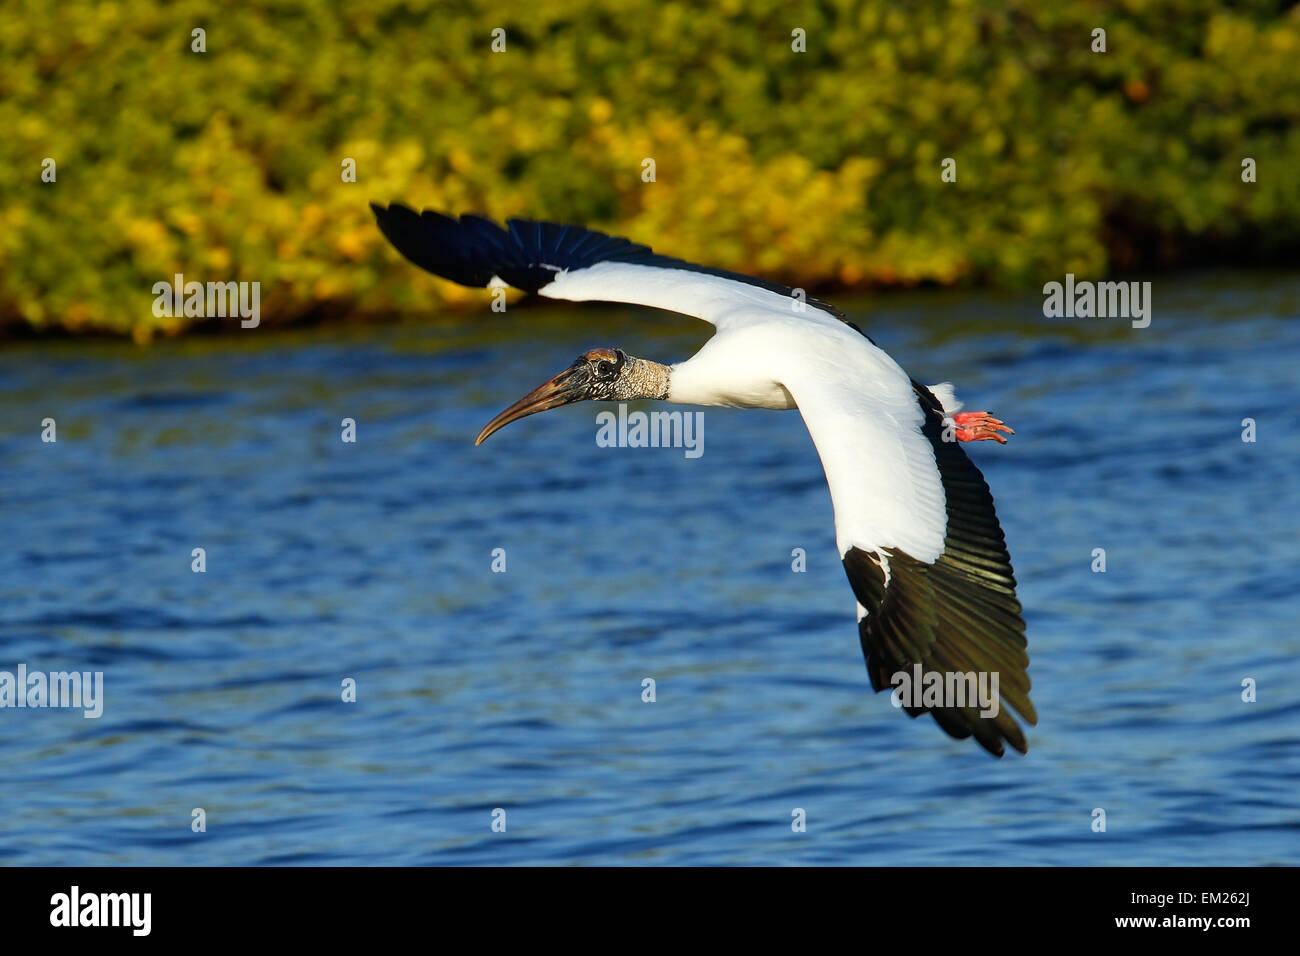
[914,520]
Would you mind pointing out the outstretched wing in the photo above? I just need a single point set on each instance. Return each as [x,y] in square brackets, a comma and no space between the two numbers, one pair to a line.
[923,550]
[579,264]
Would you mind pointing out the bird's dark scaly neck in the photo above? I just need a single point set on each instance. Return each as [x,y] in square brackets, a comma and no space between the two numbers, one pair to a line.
[642,378]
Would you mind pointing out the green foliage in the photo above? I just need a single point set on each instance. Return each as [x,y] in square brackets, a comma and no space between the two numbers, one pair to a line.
[816,168]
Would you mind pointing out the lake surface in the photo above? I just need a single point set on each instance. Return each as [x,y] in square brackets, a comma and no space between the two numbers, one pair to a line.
[523,690]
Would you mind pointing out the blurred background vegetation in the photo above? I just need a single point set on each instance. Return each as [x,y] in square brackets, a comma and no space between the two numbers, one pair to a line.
[820,169]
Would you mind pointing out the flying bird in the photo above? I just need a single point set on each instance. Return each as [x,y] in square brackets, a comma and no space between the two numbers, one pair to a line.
[914,519]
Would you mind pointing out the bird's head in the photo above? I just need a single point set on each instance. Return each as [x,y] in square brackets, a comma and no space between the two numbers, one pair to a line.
[600,375]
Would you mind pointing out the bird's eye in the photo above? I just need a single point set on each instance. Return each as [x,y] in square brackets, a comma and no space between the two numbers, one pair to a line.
[606,368]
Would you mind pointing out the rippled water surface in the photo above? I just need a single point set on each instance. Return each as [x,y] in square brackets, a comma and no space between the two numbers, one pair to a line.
[522,690]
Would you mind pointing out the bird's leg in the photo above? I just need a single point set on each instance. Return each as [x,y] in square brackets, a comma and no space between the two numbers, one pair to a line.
[979,426]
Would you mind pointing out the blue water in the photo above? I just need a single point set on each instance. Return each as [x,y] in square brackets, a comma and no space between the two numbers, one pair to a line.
[522,690]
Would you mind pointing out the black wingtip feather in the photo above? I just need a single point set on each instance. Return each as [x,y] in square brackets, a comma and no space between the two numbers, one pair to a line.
[436,243]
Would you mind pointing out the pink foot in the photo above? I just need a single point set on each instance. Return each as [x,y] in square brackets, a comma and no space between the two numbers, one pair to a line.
[979,426]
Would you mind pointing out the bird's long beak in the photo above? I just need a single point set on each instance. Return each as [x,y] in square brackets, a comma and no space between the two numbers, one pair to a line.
[571,385]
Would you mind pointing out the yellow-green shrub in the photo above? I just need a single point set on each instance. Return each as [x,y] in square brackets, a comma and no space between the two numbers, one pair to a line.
[814,168]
